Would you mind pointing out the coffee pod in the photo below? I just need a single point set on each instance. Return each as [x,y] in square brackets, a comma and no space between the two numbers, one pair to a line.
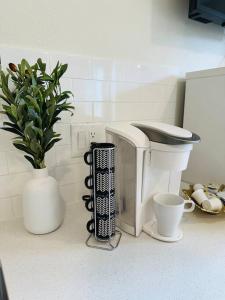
[199,196]
[212,204]
[221,195]
[213,186]
[198,186]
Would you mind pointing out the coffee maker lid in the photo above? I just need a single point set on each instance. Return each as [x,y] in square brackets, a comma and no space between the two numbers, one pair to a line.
[130,133]
[166,134]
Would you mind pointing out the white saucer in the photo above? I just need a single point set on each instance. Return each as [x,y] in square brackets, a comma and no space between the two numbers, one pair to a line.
[151,229]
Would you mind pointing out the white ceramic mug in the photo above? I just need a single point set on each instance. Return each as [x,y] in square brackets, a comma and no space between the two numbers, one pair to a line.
[169,209]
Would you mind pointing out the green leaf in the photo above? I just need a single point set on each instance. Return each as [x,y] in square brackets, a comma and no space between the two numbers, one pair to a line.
[23,148]
[41,65]
[62,70]
[34,82]
[5,99]
[54,120]
[14,126]
[28,131]
[27,66]
[36,147]
[31,113]
[14,111]
[49,90]
[21,111]
[46,77]
[9,114]
[38,131]
[51,144]
[33,103]
[22,67]
[31,160]
[12,130]
[47,136]
[5,86]
[55,69]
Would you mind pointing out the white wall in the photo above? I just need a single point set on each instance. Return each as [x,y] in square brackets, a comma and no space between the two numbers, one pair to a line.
[157,31]
[133,54]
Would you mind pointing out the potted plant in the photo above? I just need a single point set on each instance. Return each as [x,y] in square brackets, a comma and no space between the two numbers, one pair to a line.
[33,101]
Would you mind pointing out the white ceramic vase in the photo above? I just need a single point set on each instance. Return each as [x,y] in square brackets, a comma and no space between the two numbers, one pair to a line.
[43,208]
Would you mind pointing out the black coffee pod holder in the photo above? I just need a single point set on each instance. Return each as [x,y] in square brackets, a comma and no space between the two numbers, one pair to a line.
[101,202]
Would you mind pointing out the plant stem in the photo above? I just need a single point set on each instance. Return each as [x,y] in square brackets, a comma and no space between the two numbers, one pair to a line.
[42,164]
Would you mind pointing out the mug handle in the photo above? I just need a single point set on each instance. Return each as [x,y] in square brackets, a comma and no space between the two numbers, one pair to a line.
[86,182]
[86,197]
[90,224]
[88,205]
[192,206]
[86,158]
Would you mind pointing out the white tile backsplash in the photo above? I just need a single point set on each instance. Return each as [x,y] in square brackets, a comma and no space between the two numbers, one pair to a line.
[122,111]
[125,91]
[73,192]
[103,69]
[15,55]
[69,173]
[64,130]
[6,141]
[153,92]
[63,154]
[90,90]
[50,158]
[6,212]
[17,162]
[83,112]
[78,66]
[17,206]
[139,92]
[69,192]
[3,163]
[104,91]
[12,184]
[170,93]
[66,84]
[145,72]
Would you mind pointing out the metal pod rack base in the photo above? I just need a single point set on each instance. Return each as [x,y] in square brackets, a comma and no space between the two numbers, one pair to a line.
[93,241]
[108,245]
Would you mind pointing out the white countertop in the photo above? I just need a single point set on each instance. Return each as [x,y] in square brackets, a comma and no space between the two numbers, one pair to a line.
[60,266]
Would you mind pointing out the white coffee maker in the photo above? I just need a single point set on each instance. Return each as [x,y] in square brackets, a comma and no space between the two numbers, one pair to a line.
[150,158]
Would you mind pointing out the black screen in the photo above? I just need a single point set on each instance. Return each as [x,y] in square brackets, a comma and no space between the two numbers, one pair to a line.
[207,11]
[218,5]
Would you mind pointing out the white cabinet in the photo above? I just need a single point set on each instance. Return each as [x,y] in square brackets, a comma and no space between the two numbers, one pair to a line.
[204,114]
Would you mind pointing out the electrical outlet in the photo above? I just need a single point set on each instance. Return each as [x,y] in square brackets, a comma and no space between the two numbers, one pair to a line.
[84,134]
[92,136]
[79,140]
[97,133]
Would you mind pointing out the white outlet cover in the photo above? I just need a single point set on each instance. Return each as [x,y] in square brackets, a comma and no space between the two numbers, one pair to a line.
[97,133]
[79,140]
[84,134]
